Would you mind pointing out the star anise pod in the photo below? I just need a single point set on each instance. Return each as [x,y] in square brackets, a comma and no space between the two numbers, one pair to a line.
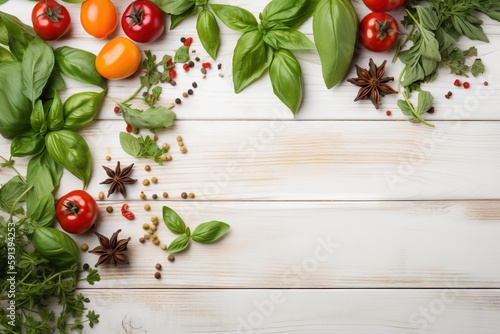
[118,179]
[111,250]
[373,83]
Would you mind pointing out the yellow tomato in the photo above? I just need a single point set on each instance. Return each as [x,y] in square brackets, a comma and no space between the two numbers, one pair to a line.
[118,59]
[98,17]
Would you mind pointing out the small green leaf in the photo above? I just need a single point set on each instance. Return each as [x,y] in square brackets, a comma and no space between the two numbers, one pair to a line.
[290,39]
[176,19]
[151,119]
[208,32]
[234,17]
[43,211]
[37,118]
[179,244]
[130,144]
[477,67]
[425,100]
[92,277]
[173,221]
[182,54]
[10,192]
[209,232]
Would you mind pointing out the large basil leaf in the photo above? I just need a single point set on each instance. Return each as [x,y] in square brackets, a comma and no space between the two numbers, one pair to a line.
[208,32]
[335,26]
[290,39]
[4,34]
[43,211]
[44,175]
[234,17]
[37,65]
[250,59]
[79,65]
[209,232]
[27,144]
[173,221]
[179,244]
[6,55]
[152,118]
[55,117]
[80,109]
[290,13]
[174,7]
[55,83]
[19,34]
[56,246]
[10,193]
[286,78]
[14,106]
[71,151]
[176,19]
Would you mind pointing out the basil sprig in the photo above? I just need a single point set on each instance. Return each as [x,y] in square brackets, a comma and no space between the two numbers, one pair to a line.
[266,46]
[205,233]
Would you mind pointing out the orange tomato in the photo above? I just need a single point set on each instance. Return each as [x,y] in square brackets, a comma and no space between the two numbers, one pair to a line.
[118,59]
[98,17]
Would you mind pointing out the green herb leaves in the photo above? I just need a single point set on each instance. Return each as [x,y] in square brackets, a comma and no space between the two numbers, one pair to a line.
[141,147]
[37,64]
[208,32]
[335,26]
[204,233]
[273,37]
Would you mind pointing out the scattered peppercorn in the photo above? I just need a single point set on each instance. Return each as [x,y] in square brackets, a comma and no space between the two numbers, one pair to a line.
[155,197]
[135,131]
[163,247]
[100,195]
[86,266]
[145,226]
[142,195]
[219,66]
[183,149]
[157,275]
[145,182]
[191,63]
[165,194]
[188,41]
[185,67]
[142,240]
[388,113]
[206,65]
[153,236]
[431,110]
[147,168]
[128,128]
[466,85]
[192,195]
[183,39]
[153,228]
[173,82]
[485,83]
[154,179]
[184,195]
[108,158]
[156,242]
[84,247]
[447,96]
[172,74]
[147,236]
[169,79]
[190,91]
[221,75]
[185,94]
[197,58]
[165,146]
[147,207]
[457,83]
[152,233]
[116,109]
[158,266]
[450,93]
[203,70]
[109,209]
[171,258]
[194,84]
[178,101]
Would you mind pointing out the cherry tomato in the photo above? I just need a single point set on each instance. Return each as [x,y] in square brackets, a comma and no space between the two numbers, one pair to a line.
[50,20]
[118,59]
[143,21]
[383,5]
[76,211]
[98,17]
[378,31]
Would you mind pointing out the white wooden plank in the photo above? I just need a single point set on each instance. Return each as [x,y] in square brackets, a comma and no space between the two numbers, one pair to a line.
[315,160]
[441,311]
[215,99]
[313,245]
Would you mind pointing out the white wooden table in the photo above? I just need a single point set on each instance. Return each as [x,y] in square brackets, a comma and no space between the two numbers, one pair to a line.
[342,221]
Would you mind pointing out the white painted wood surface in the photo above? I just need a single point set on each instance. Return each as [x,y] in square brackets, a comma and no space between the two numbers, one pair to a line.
[368,223]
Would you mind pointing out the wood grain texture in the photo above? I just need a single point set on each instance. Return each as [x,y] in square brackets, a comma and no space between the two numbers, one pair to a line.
[442,311]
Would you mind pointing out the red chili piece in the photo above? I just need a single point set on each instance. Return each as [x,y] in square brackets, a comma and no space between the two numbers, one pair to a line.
[172,74]
[169,62]
[457,83]
[185,67]
[188,41]
[466,85]
[127,214]
[206,65]
[129,128]
[116,110]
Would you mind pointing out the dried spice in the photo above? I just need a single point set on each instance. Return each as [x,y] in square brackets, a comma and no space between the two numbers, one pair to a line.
[111,250]
[373,83]
[118,179]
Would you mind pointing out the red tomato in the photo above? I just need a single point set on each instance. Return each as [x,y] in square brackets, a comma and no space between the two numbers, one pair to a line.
[383,5]
[50,20]
[143,21]
[378,31]
[76,211]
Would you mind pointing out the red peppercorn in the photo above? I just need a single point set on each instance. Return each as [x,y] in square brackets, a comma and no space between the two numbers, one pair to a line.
[466,85]
[447,96]
[188,41]
[206,65]
[457,83]
[129,128]
[485,83]
[172,74]
[116,110]
[388,113]
[185,67]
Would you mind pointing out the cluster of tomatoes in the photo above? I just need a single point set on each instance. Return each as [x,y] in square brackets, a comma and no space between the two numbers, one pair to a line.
[379,30]
[142,21]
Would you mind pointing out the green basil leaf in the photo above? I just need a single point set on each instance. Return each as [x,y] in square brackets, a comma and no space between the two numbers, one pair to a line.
[37,65]
[477,67]
[55,83]
[286,78]
[173,221]
[43,211]
[209,232]
[208,32]
[176,19]
[80,109]
[182,54]
[236,18]
[152,118]
[335,26]
[70,150]
[130,144]
[290,39]
[174,7]
[4,34]
[413,73]
[250,59]
[55,246]
[290,13]
[425,100]
[468,29]
[179,244]
[55,117]
[428,45]
[6,55]
[405,108]
[10,192]
[27,144]
[79,65]
[37,118]
[15,107]
[44,175]
[19,34]
[427,17]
